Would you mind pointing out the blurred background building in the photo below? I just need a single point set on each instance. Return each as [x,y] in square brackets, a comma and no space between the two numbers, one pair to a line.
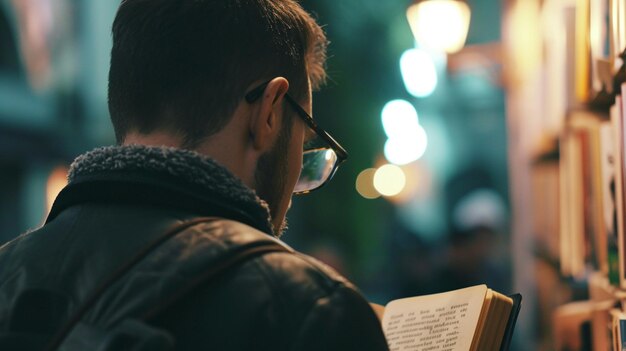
[423,205]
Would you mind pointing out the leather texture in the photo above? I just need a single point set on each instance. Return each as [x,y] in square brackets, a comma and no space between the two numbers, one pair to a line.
[277,301]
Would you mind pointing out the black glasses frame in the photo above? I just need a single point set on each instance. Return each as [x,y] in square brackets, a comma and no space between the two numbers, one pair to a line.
[342,154]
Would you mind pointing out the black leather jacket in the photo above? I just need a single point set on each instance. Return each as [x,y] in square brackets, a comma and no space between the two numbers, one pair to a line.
[119,198]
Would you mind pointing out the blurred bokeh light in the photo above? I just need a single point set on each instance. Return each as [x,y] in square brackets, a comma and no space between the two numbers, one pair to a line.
[389,180]
[418,72]
[401,151]
[365,184]
[440,24]
[57,180]
[399,119]
[407,139]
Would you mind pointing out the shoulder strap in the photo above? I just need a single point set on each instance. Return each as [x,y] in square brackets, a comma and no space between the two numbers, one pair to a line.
[228,261]
[238,257]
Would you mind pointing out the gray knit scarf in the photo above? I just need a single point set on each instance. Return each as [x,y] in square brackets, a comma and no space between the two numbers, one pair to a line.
[187,166]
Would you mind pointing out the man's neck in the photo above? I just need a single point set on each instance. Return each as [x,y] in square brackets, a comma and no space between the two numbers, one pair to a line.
[153,139]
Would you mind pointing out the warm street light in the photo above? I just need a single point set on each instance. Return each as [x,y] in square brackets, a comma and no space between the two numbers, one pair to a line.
[440,25]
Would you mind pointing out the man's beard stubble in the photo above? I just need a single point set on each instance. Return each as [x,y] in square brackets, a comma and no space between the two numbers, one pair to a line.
[271,175]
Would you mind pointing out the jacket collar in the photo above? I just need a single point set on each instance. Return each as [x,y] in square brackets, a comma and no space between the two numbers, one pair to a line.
[165,176]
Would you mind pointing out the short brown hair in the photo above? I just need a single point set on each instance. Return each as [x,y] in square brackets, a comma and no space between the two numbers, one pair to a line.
[183,65]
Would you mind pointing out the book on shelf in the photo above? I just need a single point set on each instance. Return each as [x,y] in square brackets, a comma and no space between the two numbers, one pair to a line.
[572,257]
[583,325]
[617,119]
[583,190]
[617,31]
[607,170]
[601,327]
[474,318]
[599,46]
[618,329]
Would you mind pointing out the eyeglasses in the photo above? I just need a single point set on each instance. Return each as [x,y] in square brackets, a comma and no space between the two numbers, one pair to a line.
[321,154]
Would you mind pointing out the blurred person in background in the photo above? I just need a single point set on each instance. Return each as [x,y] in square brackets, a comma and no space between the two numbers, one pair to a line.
[469,260]
[210,101]
[478,217]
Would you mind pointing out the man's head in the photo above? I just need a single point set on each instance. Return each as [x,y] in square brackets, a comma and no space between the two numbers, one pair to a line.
[180,69]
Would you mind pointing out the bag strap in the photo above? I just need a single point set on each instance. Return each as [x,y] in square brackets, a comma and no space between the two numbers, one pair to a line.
[135,332]
[238,257]
[231,260]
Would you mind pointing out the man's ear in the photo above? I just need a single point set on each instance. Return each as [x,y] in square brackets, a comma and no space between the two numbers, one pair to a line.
[265,121]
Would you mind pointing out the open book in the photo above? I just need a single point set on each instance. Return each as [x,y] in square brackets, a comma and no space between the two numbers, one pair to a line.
[474,318]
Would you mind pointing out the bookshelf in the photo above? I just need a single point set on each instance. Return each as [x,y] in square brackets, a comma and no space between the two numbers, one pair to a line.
[565,71]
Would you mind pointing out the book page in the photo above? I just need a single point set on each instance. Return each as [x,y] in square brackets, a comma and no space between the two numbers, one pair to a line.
[442,322]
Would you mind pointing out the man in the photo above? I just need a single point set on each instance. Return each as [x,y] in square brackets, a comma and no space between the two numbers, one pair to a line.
[211,104]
